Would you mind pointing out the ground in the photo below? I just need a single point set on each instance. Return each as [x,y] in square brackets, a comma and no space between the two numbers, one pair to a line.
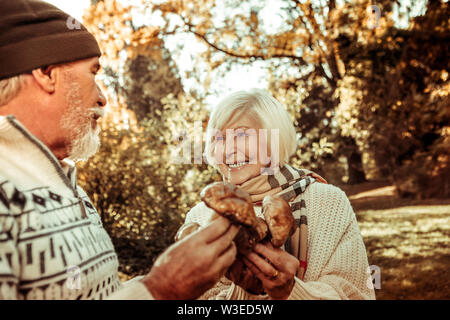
[408,240]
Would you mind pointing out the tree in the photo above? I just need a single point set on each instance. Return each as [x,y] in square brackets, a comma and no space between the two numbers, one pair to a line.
[305,48]
[137,64]
[322,47]
[395,101]
[140,191]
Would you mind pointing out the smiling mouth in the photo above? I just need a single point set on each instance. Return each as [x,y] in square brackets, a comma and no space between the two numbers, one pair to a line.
[237,165]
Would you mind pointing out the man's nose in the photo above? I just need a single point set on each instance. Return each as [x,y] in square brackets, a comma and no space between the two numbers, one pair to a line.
[101,98]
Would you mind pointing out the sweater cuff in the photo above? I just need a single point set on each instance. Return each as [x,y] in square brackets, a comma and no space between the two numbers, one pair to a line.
[134,290]
[313,291]
[237,293]
[299,292]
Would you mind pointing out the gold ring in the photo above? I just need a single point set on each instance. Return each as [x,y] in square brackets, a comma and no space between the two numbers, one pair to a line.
[275,275]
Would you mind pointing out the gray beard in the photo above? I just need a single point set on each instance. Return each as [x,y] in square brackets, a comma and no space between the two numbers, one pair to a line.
[84,140]
[85,146]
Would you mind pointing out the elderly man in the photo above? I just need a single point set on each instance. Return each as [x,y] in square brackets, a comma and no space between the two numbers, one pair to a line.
[52,243]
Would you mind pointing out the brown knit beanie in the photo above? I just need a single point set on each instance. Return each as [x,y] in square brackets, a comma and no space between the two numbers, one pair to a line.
[35,33]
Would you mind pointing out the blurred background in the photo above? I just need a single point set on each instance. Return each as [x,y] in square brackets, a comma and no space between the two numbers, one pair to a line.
[367,86]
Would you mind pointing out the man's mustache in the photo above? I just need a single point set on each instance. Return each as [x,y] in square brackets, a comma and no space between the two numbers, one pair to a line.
[97,112]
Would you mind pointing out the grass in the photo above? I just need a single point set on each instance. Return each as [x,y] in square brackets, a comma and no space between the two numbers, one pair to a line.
[407,239]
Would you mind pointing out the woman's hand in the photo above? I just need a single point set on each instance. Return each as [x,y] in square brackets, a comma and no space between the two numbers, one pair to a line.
[242,276]
[275,268]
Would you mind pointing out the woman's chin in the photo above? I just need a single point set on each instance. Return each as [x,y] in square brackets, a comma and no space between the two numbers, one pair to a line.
[240,175]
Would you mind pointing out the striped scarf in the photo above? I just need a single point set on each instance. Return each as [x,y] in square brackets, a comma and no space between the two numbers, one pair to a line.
[287,183]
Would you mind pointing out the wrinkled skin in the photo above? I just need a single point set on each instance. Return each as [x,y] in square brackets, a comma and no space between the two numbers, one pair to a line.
[274,267]
[186,230]
[194,264]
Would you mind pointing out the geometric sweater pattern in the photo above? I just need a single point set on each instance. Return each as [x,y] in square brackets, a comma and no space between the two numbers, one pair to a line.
[52,241]
[49,250]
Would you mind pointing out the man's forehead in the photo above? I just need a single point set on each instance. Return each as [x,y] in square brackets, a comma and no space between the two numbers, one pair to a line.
[90,63]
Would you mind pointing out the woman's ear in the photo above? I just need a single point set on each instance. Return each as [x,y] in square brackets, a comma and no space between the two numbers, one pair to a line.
[46,78]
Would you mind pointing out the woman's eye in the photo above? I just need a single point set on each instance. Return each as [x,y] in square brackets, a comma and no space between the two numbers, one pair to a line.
[241,134]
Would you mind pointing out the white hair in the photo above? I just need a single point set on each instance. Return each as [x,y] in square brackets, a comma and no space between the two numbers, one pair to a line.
[262,107]
[10,87]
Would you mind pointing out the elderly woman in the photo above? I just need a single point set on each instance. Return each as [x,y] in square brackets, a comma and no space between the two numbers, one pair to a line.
[250,138]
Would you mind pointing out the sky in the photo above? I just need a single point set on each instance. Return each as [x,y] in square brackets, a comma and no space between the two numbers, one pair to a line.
[74,8]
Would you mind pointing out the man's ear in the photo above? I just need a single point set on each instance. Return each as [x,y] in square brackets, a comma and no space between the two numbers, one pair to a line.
[47,77]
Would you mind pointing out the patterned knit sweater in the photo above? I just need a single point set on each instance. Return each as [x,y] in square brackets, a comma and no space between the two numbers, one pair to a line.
[337,259]
[52,242]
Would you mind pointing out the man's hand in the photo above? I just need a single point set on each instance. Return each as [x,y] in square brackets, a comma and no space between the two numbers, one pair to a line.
[193,265]
[274,267]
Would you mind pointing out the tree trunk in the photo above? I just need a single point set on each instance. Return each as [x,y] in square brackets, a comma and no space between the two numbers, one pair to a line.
[354,160]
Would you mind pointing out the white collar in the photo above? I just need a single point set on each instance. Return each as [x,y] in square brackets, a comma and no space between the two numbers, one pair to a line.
[28,162]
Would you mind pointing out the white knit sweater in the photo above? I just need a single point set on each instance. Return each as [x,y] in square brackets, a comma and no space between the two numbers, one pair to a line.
[337,259]
[52,242]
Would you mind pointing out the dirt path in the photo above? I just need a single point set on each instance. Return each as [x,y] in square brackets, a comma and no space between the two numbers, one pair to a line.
[407,239]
